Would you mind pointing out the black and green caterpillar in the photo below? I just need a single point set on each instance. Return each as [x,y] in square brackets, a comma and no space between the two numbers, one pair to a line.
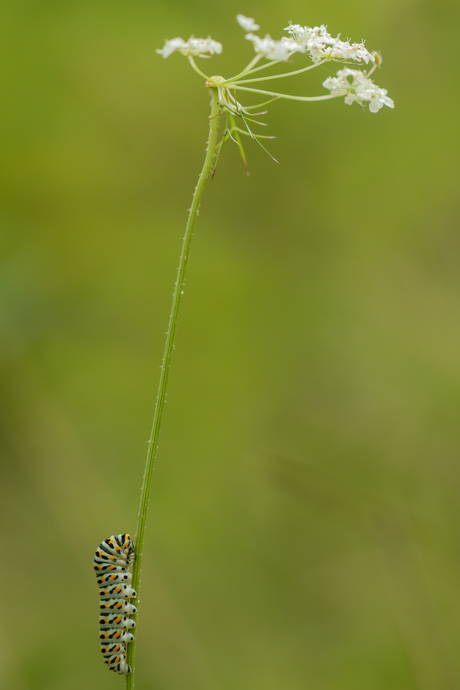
[111,562]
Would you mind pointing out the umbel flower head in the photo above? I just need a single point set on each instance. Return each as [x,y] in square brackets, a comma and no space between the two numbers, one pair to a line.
[194,46]
[355,86]
[320,45]
[315,43]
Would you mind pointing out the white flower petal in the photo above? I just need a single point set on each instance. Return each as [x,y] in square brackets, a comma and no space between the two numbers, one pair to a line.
[171,46]
[275,50]
[247,23]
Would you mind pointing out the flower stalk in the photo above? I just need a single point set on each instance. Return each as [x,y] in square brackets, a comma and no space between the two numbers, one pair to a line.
[165,367]
[354,85]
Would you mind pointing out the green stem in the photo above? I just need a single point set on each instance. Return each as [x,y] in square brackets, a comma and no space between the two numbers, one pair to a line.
[284,95]
[197,70]
[249,68]
[280,76]
[169,346]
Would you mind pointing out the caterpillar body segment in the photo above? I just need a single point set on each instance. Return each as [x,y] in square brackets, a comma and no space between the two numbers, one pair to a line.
[118,590]
[115,660]
[113,634]
[101,567]
[116,620]
[119,605]
[107,560]
[114,648]
[111,562]
[120,667]
[113,578]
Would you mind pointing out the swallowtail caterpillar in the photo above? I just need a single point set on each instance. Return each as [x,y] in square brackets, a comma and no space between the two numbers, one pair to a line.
[111,562]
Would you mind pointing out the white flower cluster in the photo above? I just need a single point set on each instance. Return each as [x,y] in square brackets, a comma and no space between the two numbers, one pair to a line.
[268,47]
[316,41]
[359,89]
[197,47]
[320,45]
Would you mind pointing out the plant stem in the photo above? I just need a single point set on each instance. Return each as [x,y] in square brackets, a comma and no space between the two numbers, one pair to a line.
[164,375]
[283,74]
[284,95]
[250,68]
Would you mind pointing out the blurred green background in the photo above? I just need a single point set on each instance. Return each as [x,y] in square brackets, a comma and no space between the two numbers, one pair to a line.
[304,521]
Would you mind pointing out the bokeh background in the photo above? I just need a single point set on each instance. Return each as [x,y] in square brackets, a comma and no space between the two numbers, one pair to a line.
[304,520]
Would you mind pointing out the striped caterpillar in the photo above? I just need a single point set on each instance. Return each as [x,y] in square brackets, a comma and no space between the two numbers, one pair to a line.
[111,562]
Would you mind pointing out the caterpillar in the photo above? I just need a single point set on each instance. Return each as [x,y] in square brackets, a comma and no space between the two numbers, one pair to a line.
[111,562]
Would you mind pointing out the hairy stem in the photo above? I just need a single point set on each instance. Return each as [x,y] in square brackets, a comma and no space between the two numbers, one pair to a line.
[164,375]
